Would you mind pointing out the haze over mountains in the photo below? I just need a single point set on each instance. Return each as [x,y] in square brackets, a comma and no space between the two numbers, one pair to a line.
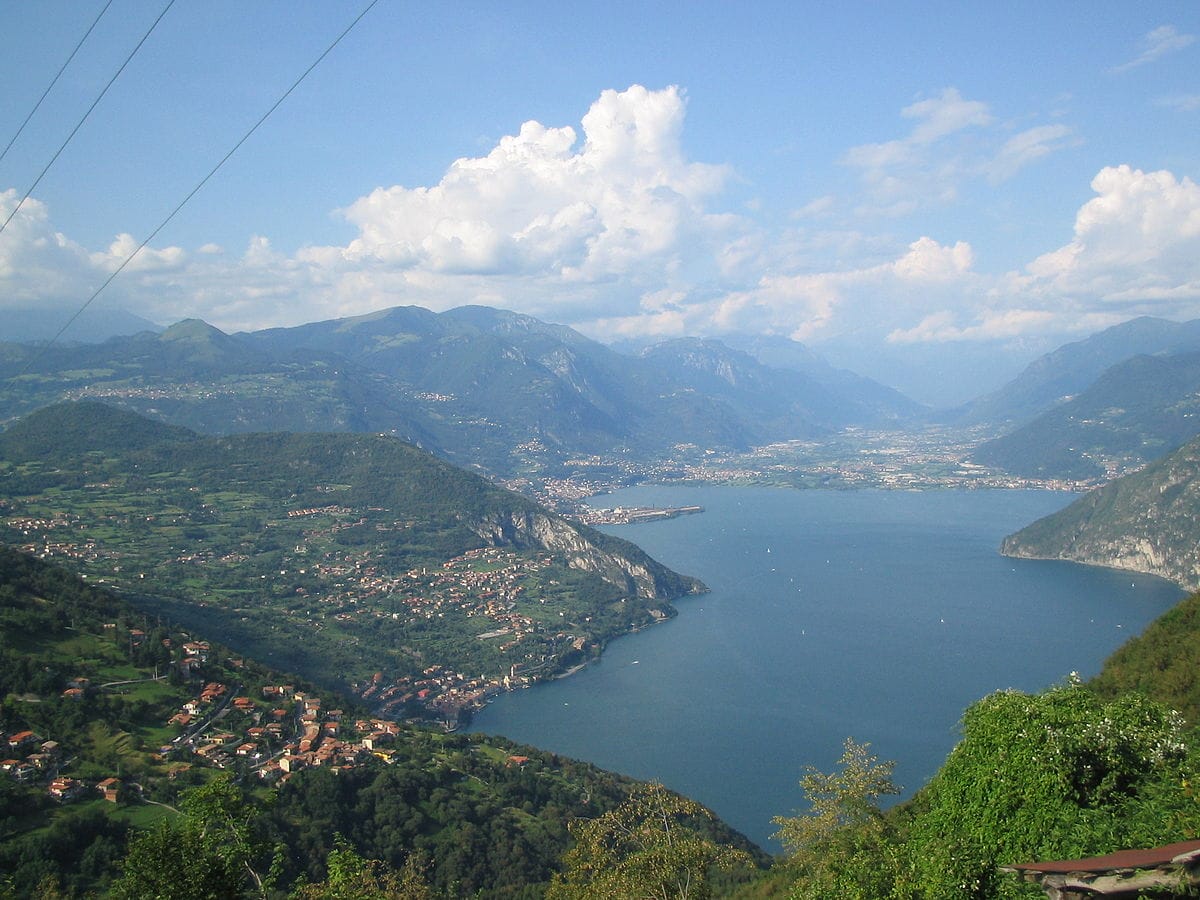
[513,395]
[481,386]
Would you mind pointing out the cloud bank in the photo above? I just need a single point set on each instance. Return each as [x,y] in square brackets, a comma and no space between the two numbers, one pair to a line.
[613,229]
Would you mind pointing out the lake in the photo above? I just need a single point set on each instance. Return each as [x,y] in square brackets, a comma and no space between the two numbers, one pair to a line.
[877,615]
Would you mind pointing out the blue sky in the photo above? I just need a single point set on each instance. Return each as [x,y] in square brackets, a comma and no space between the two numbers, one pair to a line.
[931,194]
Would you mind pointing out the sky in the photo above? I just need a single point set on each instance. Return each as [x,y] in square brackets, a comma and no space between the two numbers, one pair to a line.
[930,194]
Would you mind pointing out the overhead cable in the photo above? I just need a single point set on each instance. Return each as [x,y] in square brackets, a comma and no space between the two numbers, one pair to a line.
[54,81]
[203,181]
[79,124]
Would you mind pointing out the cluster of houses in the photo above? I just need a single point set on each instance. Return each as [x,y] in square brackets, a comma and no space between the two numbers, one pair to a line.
[284,731]
[29,756]
[32,759]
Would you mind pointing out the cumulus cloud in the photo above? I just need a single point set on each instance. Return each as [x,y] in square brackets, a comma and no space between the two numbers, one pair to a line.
[552,220]
[544,203]
[1138,238]
[147,259]
[37,263]
[1135,250]
[1156,44]
[875,298]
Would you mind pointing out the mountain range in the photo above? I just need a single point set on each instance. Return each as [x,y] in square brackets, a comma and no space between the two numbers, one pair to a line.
[480,386]
[512,396]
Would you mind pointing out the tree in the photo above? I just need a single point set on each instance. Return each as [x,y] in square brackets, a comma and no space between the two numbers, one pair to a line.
[353,877]
[648,847]
[212,852]
[842,846]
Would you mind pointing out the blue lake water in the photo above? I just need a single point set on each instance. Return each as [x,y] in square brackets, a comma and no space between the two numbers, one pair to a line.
[877,615]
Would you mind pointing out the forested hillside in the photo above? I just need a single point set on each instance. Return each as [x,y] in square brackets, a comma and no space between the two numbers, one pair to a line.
[356,560]
[91,693]
[1146,522]
[482,387]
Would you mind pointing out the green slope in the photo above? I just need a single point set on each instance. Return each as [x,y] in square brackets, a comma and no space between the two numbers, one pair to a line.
[1146,522]
[345,557]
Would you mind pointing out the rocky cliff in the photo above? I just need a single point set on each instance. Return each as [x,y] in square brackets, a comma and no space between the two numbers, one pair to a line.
[1146,522]
[618,562]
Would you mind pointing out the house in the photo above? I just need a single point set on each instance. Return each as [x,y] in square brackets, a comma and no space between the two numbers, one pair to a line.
[110,789]
[24,772]
[64,790]
[20,739]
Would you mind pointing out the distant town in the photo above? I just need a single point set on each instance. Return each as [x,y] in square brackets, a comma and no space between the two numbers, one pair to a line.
[919,459]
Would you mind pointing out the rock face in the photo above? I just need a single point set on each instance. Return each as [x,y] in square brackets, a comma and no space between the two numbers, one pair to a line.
[616,561]
[1146,522]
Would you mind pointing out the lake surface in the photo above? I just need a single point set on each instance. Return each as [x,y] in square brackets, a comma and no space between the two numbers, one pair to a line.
[877,615]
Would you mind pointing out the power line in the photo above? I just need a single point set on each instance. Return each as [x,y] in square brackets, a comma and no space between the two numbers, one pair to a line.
[203,181]
[79,124]
[54,81]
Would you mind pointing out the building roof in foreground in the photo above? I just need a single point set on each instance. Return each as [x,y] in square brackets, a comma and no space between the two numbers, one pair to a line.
[1121,874]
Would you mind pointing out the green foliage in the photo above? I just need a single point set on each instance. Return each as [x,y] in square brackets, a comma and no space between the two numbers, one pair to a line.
[1162,663]
[843,845]
[215,851]
[352,877]
[1057,775]
[646,848]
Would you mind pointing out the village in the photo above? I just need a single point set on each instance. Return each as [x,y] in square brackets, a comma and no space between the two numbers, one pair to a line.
[267,734]
[340,590]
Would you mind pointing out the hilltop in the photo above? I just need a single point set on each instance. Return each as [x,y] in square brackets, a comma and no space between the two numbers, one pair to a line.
[1145,522]
[356,560]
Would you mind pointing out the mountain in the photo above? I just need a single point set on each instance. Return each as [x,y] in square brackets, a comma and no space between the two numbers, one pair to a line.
[1056,377]
[26,325]
[863,399]
[1145,522]
[194,375]
[1136,411]
[358,561]
[479,386]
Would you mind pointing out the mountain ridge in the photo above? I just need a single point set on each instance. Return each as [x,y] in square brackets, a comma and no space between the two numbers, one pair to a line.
[1144,522]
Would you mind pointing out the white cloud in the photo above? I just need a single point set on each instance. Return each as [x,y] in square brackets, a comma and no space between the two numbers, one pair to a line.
[1139,237]
[147,259]
[1156,44]
[1025,147]
[954,141]
[876,299]
[815,208]
[541,204]
[1181,102]
[902,175]
[39,265]
[988,325]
